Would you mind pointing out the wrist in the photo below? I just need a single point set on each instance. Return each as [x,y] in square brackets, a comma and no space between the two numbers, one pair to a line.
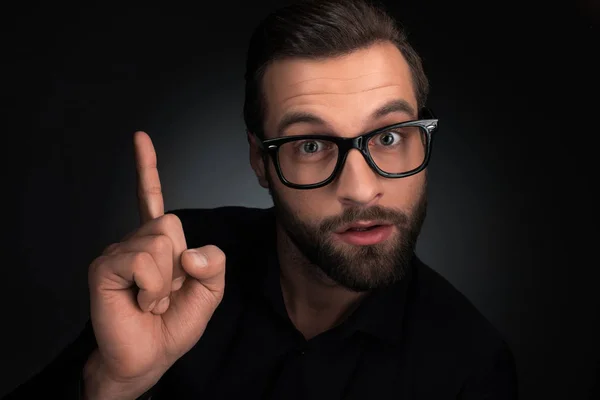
[99,385]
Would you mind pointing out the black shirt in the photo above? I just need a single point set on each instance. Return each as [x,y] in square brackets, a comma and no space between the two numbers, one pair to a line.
[419,339]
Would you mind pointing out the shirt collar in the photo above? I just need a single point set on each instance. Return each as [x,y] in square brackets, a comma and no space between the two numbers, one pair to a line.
[380,315]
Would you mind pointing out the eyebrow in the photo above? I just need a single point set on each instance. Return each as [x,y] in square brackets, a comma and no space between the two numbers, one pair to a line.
[297,117]
[393,106]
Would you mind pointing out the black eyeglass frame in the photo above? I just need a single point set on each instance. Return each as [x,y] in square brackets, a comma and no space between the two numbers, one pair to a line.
[426,121]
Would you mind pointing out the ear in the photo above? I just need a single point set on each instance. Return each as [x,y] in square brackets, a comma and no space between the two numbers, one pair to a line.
[257,160]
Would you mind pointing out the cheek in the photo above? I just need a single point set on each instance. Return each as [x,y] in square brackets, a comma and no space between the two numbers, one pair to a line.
[404,193]
[310,205]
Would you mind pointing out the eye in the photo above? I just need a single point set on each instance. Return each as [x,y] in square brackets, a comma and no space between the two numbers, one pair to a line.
[387,139]
[310,146]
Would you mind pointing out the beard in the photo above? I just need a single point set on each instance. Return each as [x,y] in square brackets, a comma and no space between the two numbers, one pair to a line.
[358,268]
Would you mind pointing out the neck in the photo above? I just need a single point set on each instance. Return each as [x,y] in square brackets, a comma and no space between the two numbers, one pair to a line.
[314,302]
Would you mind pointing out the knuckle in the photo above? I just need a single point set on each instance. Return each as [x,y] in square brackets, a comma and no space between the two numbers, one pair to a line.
[154,189]
[155,284]
[160,244]
[94,269]
[171,222]
[141,260]
[215,255]
[111,249]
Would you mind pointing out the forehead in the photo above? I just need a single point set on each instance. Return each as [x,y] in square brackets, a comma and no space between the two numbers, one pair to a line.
[344,90]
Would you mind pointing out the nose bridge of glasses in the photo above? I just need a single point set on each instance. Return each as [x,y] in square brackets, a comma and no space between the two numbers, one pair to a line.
[347,144]
[358,143]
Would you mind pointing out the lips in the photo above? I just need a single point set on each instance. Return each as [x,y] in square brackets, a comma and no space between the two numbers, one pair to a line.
[361,226]
[361,229]
[365,233]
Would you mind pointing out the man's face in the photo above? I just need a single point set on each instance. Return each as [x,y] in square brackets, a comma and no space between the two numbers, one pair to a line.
[344,93]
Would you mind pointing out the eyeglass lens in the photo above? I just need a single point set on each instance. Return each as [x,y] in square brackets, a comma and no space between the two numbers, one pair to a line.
[311,161]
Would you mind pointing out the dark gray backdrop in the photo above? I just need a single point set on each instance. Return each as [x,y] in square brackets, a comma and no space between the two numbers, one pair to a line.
[508,194]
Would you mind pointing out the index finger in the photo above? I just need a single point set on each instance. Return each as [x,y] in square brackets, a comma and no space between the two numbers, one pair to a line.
[149,190]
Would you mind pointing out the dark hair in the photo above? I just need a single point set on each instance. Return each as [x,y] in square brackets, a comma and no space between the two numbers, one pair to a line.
[317,29]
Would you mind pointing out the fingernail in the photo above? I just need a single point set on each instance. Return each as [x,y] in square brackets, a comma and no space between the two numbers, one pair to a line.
[163,301]
[151,307]
[177,283]
[200,259]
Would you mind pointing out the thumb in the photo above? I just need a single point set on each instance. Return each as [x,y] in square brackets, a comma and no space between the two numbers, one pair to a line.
[206,268]
[193,305]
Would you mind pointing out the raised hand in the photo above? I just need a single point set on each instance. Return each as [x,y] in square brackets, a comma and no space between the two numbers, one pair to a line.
[151,297]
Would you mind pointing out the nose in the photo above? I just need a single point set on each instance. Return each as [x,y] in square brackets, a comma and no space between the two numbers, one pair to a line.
[358,184]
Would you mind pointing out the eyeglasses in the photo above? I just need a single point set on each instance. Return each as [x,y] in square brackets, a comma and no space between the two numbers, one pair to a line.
[313,161]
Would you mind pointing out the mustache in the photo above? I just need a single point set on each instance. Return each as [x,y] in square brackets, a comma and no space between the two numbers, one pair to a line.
[350,215]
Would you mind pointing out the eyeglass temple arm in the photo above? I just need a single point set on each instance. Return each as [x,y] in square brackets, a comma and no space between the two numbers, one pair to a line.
[250,135]
[427,113]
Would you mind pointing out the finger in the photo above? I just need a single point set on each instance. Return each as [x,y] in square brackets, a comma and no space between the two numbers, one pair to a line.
[160,249]
[202,291]
[168,225]
[206,265]
[111,249]
[150,199]
[162,306]
[120,271]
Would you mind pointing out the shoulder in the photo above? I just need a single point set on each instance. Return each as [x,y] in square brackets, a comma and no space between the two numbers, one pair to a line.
[454,332]
[434,295]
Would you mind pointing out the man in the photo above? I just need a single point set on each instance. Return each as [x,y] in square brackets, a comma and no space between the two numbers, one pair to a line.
[323,296]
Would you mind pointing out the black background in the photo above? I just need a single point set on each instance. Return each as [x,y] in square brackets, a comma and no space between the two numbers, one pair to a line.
[511,222]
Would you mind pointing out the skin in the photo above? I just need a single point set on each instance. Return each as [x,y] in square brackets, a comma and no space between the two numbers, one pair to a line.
[343,92]
[151,296]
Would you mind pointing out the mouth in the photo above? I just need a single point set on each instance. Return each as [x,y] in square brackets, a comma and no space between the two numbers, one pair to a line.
[362,226]
[365,233]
